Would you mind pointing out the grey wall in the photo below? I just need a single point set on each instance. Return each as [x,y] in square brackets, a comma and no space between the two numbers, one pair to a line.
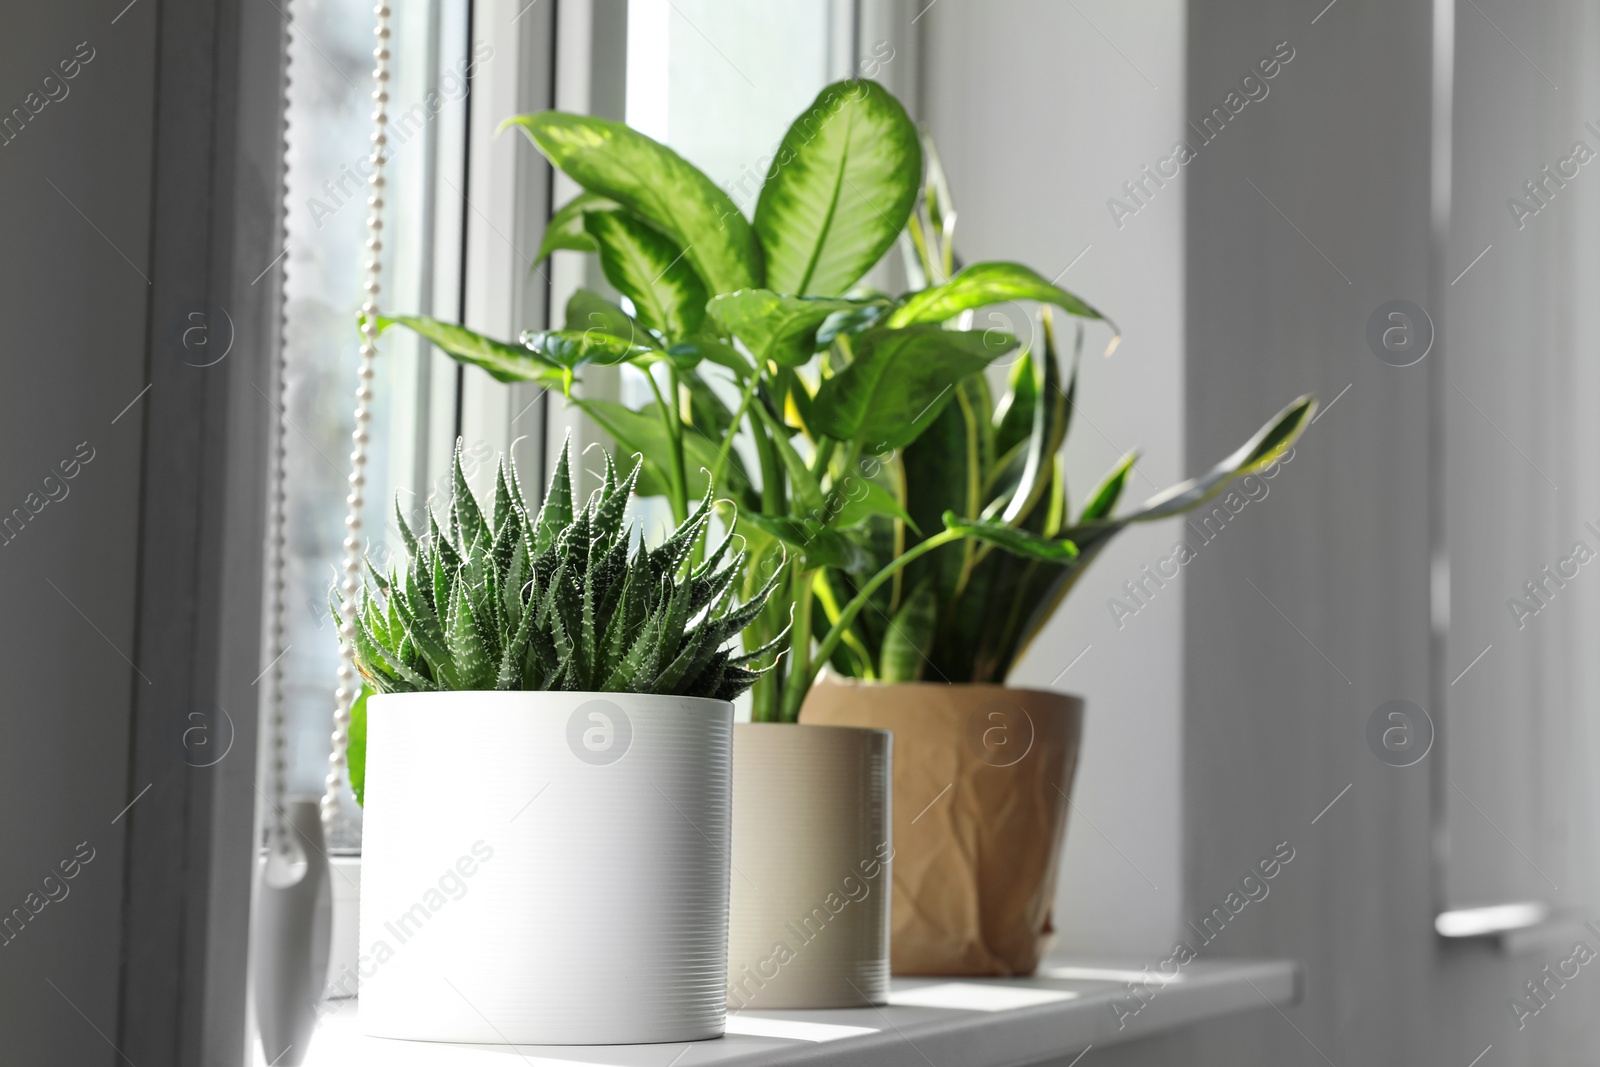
[145,193]
[1308,211]
[1275,717]
[74,311]
[1521,442]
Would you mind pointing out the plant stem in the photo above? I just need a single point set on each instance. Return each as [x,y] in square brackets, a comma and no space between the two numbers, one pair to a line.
[672,422]
[836,494]
[795,690]
[772,494]
[899,530]
[800,669]
[823,588]
[733,429]
[825,449]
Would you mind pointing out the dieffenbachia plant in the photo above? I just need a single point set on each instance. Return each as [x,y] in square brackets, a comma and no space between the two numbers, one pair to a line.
[499,597]
[771,371]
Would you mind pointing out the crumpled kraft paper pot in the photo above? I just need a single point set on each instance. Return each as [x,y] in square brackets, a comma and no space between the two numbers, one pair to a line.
[982,776]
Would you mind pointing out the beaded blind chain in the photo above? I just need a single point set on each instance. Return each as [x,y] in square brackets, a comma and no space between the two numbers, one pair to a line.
[350,580]
[278,773]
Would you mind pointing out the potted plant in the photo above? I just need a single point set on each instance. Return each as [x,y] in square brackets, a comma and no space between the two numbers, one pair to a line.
[773,371]
[930,660]
[547,775]
[727,318]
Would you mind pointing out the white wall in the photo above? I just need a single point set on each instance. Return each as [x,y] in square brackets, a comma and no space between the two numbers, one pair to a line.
[1040,120]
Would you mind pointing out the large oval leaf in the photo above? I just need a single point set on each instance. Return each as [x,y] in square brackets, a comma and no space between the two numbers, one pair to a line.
[647,268]
[776,327]
[658,185]
[841,188]
[899,382]
[983,284]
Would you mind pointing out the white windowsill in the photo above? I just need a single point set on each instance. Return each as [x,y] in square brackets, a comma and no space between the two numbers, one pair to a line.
[976,1022]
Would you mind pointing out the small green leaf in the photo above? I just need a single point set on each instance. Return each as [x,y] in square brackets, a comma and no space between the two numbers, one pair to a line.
[819,545]
[862,499]
[899,382]
[688,354]
[504,362]
[588,310]
[773,326]
[575,348]
[1103,500]
[1018,542]
[983,284]
[565,228]
[862,316]
[356,750]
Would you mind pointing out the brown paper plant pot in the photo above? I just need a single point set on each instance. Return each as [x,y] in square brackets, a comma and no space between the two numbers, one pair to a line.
[982,777]
[810,889]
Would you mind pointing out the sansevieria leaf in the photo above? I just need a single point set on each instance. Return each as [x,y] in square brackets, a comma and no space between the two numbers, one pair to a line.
[909,636]
[840,191]
[658,185]
[1266,446]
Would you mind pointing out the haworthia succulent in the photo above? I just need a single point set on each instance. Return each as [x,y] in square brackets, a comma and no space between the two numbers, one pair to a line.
[569,599]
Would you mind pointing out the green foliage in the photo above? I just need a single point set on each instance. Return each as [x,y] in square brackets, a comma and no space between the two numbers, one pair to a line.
[356,750]
[500,598]
[657,186]
[1002,463]
[908,524]
[843,182]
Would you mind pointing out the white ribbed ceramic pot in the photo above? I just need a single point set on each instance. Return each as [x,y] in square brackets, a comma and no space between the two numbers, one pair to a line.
[809,896]
[545,868]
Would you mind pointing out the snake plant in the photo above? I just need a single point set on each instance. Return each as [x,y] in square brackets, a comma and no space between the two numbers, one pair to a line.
[775,374]
[502,598]
[966,612]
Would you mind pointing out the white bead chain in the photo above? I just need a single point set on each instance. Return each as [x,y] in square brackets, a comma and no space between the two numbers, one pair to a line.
[350,580]
[278,780]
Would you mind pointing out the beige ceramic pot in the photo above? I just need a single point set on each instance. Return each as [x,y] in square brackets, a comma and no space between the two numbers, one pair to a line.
[982,776]
[809,892]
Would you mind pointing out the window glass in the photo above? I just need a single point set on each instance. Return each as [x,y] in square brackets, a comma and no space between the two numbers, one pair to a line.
[720,82]
[329,128]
